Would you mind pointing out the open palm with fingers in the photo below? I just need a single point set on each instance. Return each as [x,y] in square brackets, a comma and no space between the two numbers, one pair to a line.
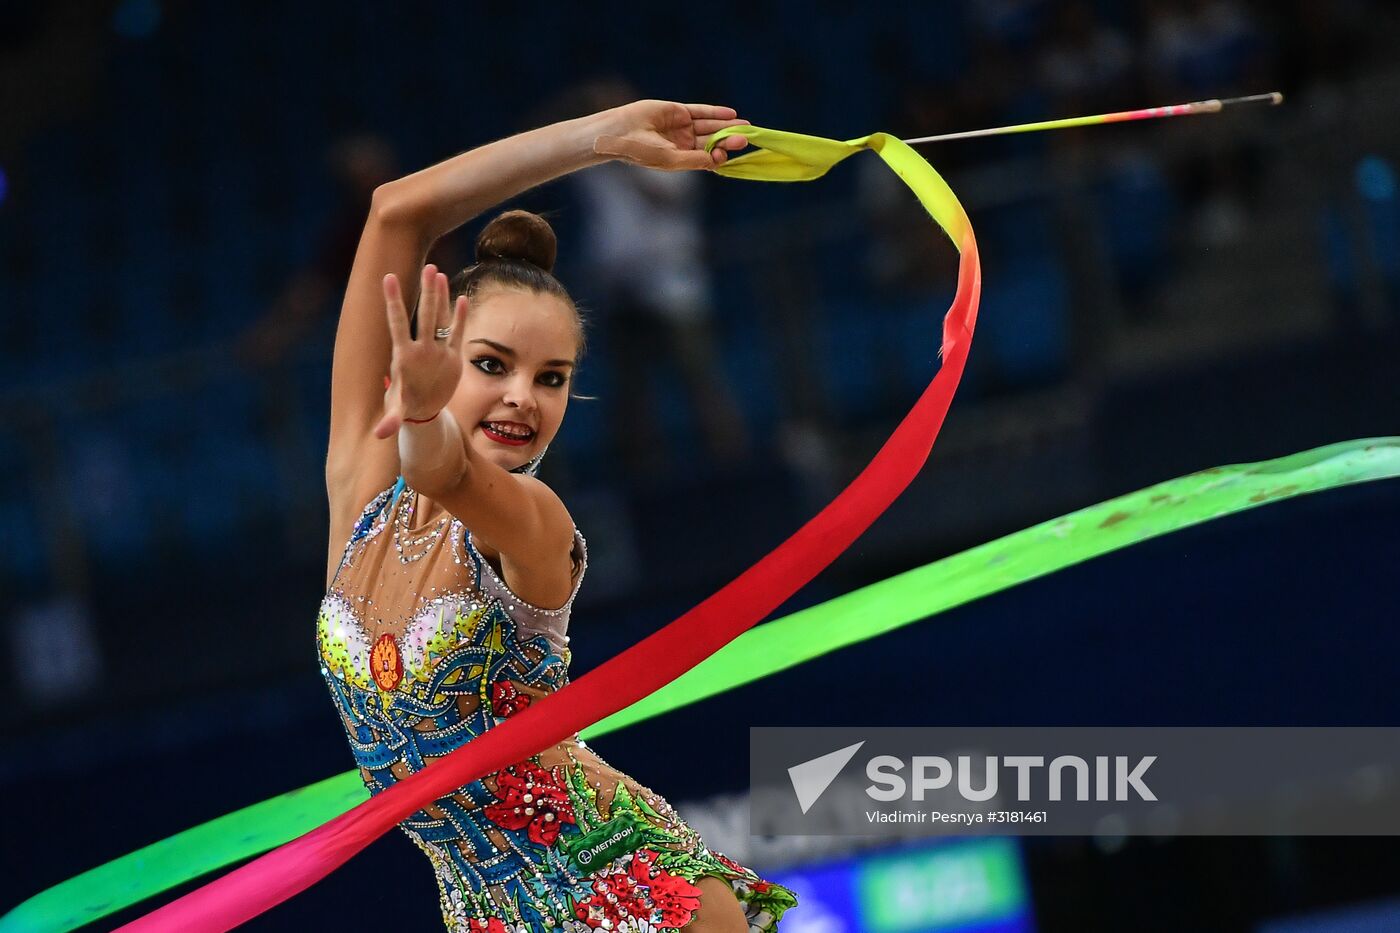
[663,134]
[423,370]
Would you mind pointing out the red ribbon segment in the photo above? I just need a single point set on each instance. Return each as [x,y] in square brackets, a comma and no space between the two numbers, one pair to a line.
[665,655]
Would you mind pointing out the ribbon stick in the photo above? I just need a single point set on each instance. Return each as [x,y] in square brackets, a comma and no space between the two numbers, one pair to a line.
[1214,105]
[679,646]
[862,614]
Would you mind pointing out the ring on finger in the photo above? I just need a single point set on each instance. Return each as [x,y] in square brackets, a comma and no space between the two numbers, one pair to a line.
[442,333]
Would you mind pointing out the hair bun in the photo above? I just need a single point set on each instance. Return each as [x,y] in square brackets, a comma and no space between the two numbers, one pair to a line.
[521,236]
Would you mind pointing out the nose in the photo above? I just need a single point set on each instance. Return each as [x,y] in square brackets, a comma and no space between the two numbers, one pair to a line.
[519,394]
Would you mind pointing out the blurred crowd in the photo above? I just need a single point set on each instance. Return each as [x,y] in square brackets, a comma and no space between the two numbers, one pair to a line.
[182,187]
[189,217]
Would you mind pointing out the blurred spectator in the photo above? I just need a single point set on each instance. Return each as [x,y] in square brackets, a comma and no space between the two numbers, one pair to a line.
[359,164]
[644,250]
[1201,48]
[996,89]
[1013,23]
[1086,62]
[309,298]
[901,256]
[54,650]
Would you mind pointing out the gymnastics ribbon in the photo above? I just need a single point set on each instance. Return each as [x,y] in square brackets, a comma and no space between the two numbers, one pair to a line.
[671,651]
[764,650]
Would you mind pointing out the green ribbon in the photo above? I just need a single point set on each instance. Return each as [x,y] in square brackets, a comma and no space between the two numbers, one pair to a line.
[764,650]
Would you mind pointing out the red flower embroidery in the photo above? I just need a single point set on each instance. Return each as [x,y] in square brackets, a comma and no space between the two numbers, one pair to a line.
[641,891]
[729,863]
[676,898]
[616,897]
[490,925]
[759,886]
[507,700]
[531,796]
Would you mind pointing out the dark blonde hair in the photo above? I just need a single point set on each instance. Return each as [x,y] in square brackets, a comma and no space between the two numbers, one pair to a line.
[517,250]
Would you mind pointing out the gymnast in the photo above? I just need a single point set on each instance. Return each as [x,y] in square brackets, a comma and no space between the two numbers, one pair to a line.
[449,594]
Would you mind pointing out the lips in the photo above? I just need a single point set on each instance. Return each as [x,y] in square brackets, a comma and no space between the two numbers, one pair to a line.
[510,433]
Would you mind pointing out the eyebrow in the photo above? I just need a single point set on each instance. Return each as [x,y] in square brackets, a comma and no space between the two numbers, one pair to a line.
[502,348]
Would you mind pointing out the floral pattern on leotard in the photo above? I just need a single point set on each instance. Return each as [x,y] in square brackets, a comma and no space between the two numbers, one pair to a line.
[559,841]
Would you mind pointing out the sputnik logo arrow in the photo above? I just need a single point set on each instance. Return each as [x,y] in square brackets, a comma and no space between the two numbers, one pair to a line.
[811,778]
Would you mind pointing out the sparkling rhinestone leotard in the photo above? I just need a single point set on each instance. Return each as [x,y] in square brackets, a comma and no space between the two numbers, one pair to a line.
[423,647]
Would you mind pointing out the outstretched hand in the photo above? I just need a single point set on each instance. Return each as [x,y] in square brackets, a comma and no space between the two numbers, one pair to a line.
[665,135]
[423,371]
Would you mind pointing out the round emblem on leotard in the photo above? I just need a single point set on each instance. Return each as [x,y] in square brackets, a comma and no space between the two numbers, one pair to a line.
[385,663]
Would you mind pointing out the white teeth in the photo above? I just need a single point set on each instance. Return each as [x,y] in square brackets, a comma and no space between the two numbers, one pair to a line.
[509,430]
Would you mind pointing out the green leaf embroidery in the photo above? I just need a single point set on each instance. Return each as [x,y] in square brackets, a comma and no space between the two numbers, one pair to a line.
[584,799]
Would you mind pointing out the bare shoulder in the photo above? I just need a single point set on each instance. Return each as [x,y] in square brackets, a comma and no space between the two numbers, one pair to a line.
[542,575]
[555,524]
[348,500]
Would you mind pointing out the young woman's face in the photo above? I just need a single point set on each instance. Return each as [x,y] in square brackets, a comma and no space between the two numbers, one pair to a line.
[519,349]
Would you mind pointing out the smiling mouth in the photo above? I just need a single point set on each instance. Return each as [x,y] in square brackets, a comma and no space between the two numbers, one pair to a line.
[510,433]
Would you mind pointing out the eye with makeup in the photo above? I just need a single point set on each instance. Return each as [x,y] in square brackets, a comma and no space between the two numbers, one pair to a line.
[489,365]
[552,378]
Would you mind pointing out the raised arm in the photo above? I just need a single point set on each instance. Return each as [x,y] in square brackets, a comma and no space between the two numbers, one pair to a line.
[517,515]
[409,214]
[406,217]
